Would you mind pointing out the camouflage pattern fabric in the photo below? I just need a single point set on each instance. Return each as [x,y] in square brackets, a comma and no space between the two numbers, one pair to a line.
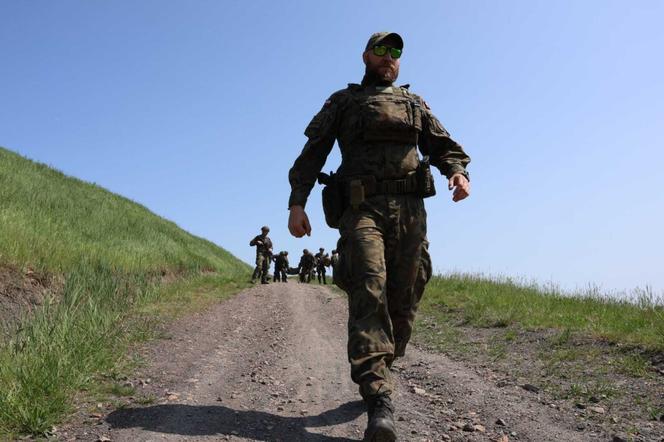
[307,262]
[262,267]
[334,260]
[281,268]
[378,131]
[263,244]
[384,265]
[263,256]
[384,262]
[321,259]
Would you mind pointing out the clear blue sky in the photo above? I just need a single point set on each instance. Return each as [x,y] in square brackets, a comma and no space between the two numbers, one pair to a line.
[196,109]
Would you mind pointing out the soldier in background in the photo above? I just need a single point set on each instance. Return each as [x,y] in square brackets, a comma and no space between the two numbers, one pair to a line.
[281,267]
[306,266]
[378,207]
[277,275]
[322,261]
[263,246]
[334,260]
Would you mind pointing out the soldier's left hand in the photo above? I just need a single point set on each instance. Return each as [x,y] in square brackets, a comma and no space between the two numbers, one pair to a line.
[461,187]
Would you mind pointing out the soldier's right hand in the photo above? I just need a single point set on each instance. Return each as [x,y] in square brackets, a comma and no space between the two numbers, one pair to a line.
[298,222]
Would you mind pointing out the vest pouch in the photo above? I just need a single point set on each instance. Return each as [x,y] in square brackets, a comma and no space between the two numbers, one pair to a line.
[387,117]
[333,199]
[425,184]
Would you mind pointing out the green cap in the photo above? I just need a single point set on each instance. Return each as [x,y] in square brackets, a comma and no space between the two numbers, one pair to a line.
[379,37]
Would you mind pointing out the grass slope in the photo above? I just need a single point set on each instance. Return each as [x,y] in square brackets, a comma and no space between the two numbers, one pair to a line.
[580,351]
[485,302]
[55,222]
[112,254]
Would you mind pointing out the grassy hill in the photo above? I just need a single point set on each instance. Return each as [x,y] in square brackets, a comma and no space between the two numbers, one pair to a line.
[100,258]
[55,222]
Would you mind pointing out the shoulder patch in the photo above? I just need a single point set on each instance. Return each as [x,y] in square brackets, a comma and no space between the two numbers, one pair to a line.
[425,104]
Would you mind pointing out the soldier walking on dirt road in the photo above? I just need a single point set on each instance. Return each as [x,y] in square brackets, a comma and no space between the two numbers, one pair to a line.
[322,261]
[376,201]
[281,267]
[306,265]
[263,246]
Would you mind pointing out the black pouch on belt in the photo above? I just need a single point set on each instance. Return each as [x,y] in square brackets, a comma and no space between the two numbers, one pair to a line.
[333,198]
[425,185]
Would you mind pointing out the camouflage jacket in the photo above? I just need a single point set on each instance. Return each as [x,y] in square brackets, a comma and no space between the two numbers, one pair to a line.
[307,261]
[322,259]
[378,130]
[280,262]
[265,248]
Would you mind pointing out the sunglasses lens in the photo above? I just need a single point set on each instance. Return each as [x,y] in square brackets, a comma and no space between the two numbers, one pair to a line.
[395,53]
[380,50]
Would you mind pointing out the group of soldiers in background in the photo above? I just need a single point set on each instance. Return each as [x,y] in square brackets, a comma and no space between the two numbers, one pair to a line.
[310,267]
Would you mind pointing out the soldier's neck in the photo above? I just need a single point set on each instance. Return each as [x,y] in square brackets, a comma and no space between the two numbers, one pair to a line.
[371,79]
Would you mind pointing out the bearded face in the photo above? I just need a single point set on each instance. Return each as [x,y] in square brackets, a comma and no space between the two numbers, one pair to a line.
[385,68]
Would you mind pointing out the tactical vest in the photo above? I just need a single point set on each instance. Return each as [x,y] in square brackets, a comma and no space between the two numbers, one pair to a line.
[391,115]
[379,131]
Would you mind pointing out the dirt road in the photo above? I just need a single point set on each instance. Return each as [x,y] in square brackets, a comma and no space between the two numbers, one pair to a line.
[270,365]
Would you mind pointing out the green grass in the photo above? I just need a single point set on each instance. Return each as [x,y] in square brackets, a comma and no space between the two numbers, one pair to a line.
[593,389]
[486,302]
[55,223]
[579,348]
[112,254]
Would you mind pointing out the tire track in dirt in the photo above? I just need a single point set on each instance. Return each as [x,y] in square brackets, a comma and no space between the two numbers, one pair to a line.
[270,364]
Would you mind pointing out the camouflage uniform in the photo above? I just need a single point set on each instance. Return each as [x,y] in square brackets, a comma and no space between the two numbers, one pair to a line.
[334,260]
[384,262]
[263,256]
[322,260]
[281,267]
[306,266]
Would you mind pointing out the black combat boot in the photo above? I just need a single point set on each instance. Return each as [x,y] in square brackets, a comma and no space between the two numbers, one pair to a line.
[381,426]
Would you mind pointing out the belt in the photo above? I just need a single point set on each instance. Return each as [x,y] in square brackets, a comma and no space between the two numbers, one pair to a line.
[372,186]
[402,186]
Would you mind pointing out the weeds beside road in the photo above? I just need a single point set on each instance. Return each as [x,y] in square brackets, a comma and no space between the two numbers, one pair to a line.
[115,260]
[602,357]
[78,342]
[484,303]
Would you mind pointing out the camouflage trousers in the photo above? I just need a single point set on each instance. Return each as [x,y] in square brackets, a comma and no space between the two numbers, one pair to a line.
[320,272]
[384,265]
[262,267]
[280,275]
[305,274]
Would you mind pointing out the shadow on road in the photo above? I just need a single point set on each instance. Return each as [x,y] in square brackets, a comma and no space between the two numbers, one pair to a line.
[200,420]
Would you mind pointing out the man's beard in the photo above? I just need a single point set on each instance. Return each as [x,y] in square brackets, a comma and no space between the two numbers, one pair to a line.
[382,74]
